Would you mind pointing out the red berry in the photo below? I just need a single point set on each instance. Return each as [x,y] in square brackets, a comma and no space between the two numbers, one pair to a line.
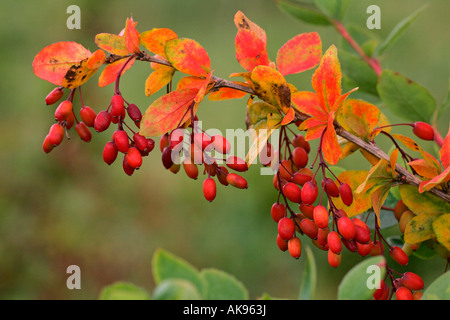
[56,134]
[134,113]
[423,130]
[382,292]
[102,121]
[236,164]
[364,249]
[411,281]
[282,244]
[346,228]
[150,144]
[47,146]
[278,211]
[63,111]
[164,141]
[209,189]
[292,192]
[307,210]
[334,242]
[299,141]
[285,170]
[322,235]
[266,154]
[330,187]
[286,228]
[120,138]
[403,293]
[399,208]
[203,141]
[301,178]
[346,194]
[70,121]
[377,248]
[110,152]
[321,216]
[129,170]
[300,157]
[362,235]
[83,131]
[334,259]
[191,169]
[54,96]
[176,139]
[221,144]
[295,247]
[134,157]
[309,192]
[166,157]
[236,181]
[140,142]
[351,244]
[117,106]
[399,255]
[88,115]
[309,228]
[222,174]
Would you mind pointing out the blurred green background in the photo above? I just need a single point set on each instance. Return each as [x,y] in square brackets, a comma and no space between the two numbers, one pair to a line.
[68,207]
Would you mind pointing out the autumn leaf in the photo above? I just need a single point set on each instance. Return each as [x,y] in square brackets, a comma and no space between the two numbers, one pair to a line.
[158,79]
[155,40]
[80,73]
[54,61]
[251,51]
[111,71]
[441,227]
[226,93]
[112,43]
[300,53]
[188,56]
[419,229]
[244,23]
[359,117]
[362,201]
[131,36]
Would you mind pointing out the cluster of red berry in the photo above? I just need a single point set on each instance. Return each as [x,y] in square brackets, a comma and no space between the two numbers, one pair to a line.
[406,287]
[191,149]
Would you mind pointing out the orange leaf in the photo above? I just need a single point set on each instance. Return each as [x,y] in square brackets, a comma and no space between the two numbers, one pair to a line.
[326,80]
[290,115]
[188,56]
[53,62]
[424,169]
[109,74]
[442,178]
[444,153]
[155,40]
[203,89]
[79,73]
[167,112]
[251,51]
[330,146]
[393,161]
[131,36]
[308,102]
[359,117]
[158,79]
[112,43]
[226,93]
[300,53]
[190,82]
[242,22]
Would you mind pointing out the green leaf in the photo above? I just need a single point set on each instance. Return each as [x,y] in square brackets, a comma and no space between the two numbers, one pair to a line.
[222,286]
[363,37]
[168,266]
[303,11]
[309,279]
[426,250]
[123,291]
[359,72]
[333,8]
[397,31]
[445,105]
[176,289]
[422,203]
[355,284]
[405,98]
[441,227]
[439,289]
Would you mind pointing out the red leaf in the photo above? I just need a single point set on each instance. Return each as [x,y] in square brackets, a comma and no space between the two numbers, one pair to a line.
[330,145]
[226,93]
[79,73]
[167,112]
[109,74]
[188,56]
[242,22]
[131,36]
[444,153]
[300,53]
[308,102]
[251,51]
[53,62]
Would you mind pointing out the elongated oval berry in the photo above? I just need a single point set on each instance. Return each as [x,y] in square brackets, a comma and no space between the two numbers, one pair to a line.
[423,130]
[286,228]
[399,255]
[307,210]
[412,281]
[164,141]
[405,219]
[83,131]
[295,247]
[203,141]
[346,194]
[70,121]
[102,121]
[301,178]
[282,244]
[117,105]
[63,110]
[334,259]
[150,144]
[403,293]
[134,157]
[292,192]
[129,170]
[236,164]
[278,211]
[321,216]
[222,174]
[300,157]
[382,292]
[56,134]
[140,142]
[322,235]
[377,248]
[134,113]
[285,169]
[309,228]
[309,192]
[346,228]
[364,249]
[88,115]
[330,187]
[47,146]
[266,154]
[110,152]
[300,141]
[191,169]
[237,181]
[334,242]
[54,96]
[120,138]
[399,208]
[209,189]
[351,244]
[221,144]
[166,157]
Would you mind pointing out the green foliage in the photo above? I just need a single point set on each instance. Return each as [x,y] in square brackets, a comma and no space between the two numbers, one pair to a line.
[123,291]
[439,289]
